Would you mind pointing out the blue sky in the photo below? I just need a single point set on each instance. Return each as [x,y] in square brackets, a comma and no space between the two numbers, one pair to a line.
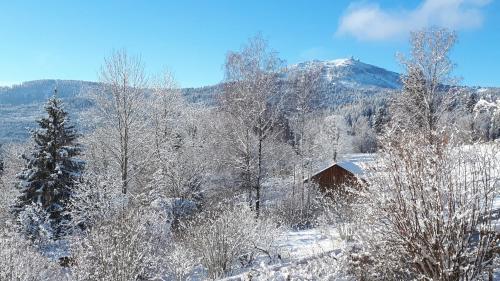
[69,39]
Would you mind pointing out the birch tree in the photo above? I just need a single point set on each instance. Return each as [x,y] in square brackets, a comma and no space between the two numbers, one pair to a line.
[122,115]
[252,104]
[428,87]
[179,150]
[304,91]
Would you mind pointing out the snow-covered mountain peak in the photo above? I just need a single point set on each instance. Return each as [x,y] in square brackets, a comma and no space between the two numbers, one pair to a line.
[341,62]
[351,72]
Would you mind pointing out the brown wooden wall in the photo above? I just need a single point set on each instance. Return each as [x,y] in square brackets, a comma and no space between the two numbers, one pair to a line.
[333,177]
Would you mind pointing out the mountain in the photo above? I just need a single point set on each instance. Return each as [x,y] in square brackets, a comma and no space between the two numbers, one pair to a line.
[40,90]
[344,80]
[21,105]
[352,73]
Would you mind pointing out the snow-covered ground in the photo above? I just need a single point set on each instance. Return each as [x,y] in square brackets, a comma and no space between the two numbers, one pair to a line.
[309,254]
[297,244]
[303,254]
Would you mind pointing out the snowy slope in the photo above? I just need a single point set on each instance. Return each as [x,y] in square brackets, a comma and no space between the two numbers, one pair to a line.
[352,73]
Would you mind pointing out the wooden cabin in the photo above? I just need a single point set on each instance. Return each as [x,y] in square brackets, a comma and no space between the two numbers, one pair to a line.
[348,172]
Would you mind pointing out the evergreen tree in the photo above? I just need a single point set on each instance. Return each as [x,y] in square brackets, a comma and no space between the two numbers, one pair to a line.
[381,118]
[53,167]
[471,101]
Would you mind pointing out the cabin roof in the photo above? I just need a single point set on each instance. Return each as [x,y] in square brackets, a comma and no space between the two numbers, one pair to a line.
[351,167]
[353,163]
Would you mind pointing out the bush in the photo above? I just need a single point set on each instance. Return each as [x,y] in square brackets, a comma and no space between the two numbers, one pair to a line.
[128,245]
[425,214]
[20,261]
[299,208]
[228,235]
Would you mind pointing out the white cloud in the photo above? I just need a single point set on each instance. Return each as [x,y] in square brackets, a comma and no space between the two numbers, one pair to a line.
[368,21]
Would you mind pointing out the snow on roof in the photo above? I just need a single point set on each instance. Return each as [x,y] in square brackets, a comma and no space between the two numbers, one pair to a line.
[354,163]
[351,167]
[357,163]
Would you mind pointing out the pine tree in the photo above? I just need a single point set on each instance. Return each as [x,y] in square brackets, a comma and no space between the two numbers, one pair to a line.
[472,99]
[381,118]
[53,167]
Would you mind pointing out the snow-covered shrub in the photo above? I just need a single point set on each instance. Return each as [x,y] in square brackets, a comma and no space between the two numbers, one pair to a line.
[375,259]
[228,235]
[12,164]
[181,169]
[96,197]
[264,239]
[336,208]
[324,266]
[128,245]
[35,224]
[175,210]
[486,119]
[300,207]
[20,261]
[180,262]
[425,213]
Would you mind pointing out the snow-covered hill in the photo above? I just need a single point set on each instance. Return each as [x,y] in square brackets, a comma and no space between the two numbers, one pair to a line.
[352,73]
[344,80]
[21,104]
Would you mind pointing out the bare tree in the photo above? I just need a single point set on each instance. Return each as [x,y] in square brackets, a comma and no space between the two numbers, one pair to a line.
[122,114]
[168,107]
[428,210]
[179,151]
[332,136]
[428,86]
[303,92]
[252,104]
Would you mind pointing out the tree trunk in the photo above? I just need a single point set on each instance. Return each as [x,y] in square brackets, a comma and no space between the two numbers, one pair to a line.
[259,164]
[125,162]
